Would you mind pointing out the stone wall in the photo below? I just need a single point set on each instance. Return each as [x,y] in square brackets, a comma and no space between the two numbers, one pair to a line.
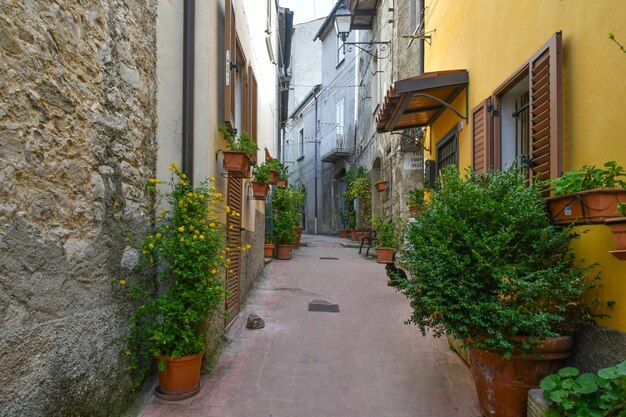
[77,142]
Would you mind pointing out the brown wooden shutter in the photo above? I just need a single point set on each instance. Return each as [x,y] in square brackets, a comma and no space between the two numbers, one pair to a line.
[482,150]
[253,105]
[229,58]
[245,95]
[233,224]
[545,72]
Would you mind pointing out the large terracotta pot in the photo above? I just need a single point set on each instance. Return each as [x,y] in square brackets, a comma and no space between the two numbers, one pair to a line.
[283,252]
[281,183]
[259,191]
[237,164]
[384,255]
[586,207]
[268,250]
[343,233]
[298,236]
[502,384]
[618,227]
[354,234]
[181,377]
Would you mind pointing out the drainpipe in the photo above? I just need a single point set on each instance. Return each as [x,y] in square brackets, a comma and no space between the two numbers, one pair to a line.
[315,143]
[420,66]
[188,86]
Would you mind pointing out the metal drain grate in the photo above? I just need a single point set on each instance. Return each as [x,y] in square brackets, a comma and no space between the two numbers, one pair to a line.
[329,258]
[323,306]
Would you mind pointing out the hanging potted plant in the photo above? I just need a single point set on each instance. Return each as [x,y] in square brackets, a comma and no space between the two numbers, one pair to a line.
[275,168]
[618,227]
[240,150]
[588,195]
[381,186]
[415,201]
[283,176]
[488,267]
[260,182]
[385,241]
[186,250]
[285,219]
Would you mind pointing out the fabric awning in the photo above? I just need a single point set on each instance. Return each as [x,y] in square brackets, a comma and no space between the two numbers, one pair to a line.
[418,101]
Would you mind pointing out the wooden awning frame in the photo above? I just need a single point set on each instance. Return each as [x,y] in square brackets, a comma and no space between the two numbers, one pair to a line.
[437,91]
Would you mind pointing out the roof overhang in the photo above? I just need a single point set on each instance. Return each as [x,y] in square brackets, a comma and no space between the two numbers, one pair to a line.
[363,13]
[419,101]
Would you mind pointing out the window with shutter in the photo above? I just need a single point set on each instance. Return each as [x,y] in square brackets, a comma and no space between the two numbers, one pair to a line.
[229,60]
[526,125]
[233,223]
[482,158]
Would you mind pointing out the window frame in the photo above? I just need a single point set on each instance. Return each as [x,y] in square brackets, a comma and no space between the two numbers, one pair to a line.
[451,136]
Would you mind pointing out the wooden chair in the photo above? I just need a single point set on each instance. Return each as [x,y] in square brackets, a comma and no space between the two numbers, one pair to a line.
[368,237]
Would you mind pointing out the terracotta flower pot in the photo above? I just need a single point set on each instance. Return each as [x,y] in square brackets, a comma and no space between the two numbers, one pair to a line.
[281,183]
[268,250]
[273,177]
[237,164]
[618,227]
[283,252]
[181,377]
[415,211]
[354,234]
[259,191]
[298,236]
[343,233]
[380,186]
[384,255]
[502,384]
[586,207]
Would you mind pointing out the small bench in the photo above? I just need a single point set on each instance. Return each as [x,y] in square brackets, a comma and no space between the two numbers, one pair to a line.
[368,238]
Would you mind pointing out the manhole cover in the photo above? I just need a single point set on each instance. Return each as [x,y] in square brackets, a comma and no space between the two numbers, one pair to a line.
[328,258]
[323,306]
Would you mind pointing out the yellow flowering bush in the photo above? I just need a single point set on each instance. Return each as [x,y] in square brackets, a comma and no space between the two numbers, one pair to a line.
[186,250]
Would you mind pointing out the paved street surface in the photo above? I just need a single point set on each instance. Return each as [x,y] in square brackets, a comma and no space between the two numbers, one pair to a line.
[361,362]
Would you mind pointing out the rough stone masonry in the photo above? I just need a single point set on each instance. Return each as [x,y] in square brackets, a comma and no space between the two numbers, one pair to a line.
[77,142]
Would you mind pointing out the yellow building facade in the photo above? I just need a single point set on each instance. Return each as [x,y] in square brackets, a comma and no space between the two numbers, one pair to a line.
[498,43]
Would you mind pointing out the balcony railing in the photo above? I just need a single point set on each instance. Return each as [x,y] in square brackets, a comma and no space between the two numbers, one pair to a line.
[341,148]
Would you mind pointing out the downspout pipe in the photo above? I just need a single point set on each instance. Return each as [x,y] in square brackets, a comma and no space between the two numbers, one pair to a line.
[316,144]
[420,64]
[188,86]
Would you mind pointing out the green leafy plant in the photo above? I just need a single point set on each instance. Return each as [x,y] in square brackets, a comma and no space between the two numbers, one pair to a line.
[274,164]
[586,395]
[358,186]
[415,197]
[590,177]
[487,265]
[286,206]
[385,235]
[261,173]
[187,252]
[243,143]
[621,208]
[348,218]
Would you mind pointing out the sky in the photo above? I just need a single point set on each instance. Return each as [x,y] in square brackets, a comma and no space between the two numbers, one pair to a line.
[307,10]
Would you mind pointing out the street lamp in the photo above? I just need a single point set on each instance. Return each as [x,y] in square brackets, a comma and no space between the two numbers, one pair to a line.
[343,21]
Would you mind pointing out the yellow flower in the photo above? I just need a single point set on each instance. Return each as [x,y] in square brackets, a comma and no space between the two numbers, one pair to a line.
[196,232]
[181,229]
[180,202]
[175,165]
[227,249]
[211,224]
[212,188]
[181,182]
[122,282]
[159,219]
[201,196]
[201,237]
[189,194]
[155,206]
[214,271]
[182,239]
[158,235]
[248,246]
[162,212]
[212,179]
[151,246]
[227,209]
[153,180]
[195,237]
[183,176]
[231,227]
[218,195]
[221,257]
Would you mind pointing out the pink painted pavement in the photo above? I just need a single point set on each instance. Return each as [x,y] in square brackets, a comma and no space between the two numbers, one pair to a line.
[361,362]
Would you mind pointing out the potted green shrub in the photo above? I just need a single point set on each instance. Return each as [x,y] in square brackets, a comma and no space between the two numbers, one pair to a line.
[415,201]
[268,249]
[285,220]
[385,241]
[240,150]
[588,195]
[260,182]
[618,227]
[186,252]
[488,267]
[275,169]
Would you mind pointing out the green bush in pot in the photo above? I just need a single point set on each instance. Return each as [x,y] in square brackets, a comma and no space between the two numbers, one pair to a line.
[487,265]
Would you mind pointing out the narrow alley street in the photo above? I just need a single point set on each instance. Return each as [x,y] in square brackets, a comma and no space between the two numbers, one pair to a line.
[360,362]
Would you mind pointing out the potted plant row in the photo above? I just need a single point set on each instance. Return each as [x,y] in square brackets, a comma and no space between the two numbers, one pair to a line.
[240,150]
[589,195]
[183,260]
[488,267]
